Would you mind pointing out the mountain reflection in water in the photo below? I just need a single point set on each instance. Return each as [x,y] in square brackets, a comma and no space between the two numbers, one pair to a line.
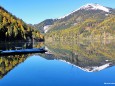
[88,56]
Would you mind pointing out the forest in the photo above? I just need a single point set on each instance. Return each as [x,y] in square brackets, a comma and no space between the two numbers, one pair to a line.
[13,28]
[91,28]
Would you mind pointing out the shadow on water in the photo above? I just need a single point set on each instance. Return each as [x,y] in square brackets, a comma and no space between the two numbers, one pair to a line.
[90,56]
[20,45]
[21,48]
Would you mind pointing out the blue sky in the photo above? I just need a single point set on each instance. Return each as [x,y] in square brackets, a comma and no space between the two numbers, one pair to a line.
[35,11]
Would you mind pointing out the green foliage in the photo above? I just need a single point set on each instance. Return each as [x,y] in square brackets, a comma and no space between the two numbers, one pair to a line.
[12,28]
[77,17]
[91,28]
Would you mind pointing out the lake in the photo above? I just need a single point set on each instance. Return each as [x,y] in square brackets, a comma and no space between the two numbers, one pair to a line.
[84,63]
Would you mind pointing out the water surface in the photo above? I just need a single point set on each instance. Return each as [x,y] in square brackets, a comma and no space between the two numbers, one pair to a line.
[65,64]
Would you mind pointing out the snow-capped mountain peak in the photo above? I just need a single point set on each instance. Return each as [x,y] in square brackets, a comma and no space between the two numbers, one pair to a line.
[89,7]
[94,7]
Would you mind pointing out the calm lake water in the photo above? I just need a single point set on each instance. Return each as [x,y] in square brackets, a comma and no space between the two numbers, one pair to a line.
[65,64]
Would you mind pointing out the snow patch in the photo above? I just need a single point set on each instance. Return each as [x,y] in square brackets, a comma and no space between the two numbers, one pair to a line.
[94,7]
[46,28]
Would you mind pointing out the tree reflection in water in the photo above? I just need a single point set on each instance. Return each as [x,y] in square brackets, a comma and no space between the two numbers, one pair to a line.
[90,56]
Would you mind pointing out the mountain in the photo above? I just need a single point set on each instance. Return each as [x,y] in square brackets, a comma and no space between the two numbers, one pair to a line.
[43,26]
[91,21]
[13,28]
[80,15]
[89,7]
[94,11]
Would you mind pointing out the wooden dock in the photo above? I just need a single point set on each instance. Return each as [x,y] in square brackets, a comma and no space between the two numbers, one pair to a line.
[22,51]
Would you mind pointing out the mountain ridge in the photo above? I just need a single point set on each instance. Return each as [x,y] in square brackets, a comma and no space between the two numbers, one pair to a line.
[78,16]
[88,7]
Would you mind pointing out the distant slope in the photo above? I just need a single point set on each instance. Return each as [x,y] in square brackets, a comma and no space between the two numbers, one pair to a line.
[78,16]
[89,29]
[43,26]
[13,28]
[91,21]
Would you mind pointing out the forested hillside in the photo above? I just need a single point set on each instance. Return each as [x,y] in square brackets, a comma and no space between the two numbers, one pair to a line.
[89,22]
[13,28]
[89,29]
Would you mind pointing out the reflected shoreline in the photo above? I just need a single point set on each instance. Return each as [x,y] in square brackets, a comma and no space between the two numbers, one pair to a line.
[90,56]
[10,61]
[86,55]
